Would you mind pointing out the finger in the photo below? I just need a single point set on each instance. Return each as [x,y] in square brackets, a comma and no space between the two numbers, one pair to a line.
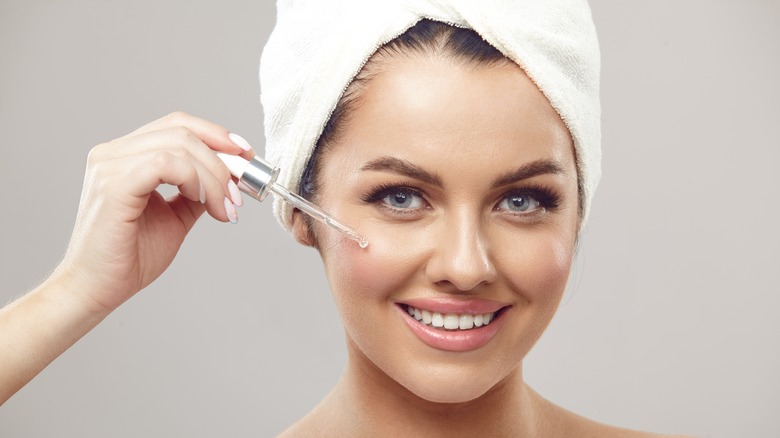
[212,196]
[180,141]
[215,192]
[216,136]
[162,167]
[215,182]
[137,176]
[204,189]
[187,210]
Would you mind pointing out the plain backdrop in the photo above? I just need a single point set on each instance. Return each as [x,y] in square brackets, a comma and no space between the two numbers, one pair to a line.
[671,320]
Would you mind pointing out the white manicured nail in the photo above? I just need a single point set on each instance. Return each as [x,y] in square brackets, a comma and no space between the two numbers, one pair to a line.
[235,194]
[202,194]
[230,209]
[239,141]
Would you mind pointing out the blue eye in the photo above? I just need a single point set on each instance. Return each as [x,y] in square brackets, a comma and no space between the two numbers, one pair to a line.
[403,199]
[398,199]
[519,203]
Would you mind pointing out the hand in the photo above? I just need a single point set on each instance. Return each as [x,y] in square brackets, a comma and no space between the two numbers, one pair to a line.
[126,233]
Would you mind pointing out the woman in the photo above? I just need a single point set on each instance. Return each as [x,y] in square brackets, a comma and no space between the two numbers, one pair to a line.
[470,188]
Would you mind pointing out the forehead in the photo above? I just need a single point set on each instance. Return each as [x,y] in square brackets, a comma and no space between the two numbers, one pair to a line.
[429,109]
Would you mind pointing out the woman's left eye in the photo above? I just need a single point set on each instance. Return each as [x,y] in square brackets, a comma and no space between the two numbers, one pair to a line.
[519,203]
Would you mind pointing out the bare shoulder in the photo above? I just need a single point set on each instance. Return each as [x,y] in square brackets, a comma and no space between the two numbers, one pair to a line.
[323,421]
[308,426]
[296,430]
[305,427]
[590,428]
[558,421]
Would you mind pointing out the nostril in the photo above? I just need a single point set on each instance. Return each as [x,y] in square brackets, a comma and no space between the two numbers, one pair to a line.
[462,259]
[462,280]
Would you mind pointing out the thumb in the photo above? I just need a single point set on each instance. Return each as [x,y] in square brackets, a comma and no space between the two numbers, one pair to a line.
[187,211]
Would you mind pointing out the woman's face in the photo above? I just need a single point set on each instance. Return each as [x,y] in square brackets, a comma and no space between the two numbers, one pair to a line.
[463,180]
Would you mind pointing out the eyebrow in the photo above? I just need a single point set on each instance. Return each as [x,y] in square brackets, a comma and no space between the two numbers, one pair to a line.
[403,167]
[529,170]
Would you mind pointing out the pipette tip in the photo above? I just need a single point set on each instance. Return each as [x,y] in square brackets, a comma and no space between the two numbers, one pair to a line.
[317,213]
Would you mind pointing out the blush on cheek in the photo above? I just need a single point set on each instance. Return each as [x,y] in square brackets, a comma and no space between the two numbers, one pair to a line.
[378,270]
[557,260]
[366,281]
[541,269]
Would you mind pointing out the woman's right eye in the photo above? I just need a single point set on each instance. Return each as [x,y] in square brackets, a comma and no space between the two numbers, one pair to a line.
[403,199]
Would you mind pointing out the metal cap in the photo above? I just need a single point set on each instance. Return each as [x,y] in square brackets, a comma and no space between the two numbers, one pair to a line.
[257,178]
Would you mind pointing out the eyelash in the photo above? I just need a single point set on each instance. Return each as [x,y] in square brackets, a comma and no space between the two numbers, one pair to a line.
[377,194]
[547,197]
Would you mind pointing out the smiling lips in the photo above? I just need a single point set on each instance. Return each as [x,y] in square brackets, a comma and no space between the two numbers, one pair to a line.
[450,321]
[453,325]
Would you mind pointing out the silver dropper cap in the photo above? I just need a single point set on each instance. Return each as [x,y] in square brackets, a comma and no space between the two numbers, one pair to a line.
[255,177]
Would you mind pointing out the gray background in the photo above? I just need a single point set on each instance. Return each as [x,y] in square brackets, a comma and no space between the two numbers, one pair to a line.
[671,320]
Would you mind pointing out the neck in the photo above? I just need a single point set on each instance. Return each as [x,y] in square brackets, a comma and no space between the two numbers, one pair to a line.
[368,401]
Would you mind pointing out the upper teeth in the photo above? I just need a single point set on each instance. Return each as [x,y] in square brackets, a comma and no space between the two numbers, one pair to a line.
[450,321]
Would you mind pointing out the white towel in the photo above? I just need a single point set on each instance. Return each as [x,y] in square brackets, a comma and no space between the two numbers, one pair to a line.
[318,46]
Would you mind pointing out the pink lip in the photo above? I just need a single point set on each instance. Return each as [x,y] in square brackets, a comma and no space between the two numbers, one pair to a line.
[452,340]
[471,306]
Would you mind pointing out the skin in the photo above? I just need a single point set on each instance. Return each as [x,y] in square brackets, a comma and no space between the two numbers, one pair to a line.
[466,127]
[126,235]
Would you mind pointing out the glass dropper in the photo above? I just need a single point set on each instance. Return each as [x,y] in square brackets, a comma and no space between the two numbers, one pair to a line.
[256,178]
[317,213]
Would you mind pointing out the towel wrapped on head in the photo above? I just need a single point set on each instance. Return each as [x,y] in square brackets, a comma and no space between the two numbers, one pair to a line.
[319,46]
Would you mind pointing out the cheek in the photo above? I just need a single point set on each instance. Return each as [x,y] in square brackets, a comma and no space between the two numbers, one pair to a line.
[365,282]
[373,274]
[537,266]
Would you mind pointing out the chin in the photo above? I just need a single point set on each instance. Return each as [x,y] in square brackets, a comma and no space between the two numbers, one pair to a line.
[450,383]
[447,394]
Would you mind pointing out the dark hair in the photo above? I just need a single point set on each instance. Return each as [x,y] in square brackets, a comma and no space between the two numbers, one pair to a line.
[427,37]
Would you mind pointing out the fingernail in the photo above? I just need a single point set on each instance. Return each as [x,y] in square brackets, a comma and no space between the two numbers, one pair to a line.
[239,141]
[230,209]
[235,194]
[202,194]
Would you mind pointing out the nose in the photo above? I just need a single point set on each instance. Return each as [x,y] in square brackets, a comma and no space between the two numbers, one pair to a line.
[461,259]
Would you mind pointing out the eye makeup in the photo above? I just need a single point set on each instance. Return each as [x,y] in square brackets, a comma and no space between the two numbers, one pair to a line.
[541,197]
[545,196]
[396,193]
